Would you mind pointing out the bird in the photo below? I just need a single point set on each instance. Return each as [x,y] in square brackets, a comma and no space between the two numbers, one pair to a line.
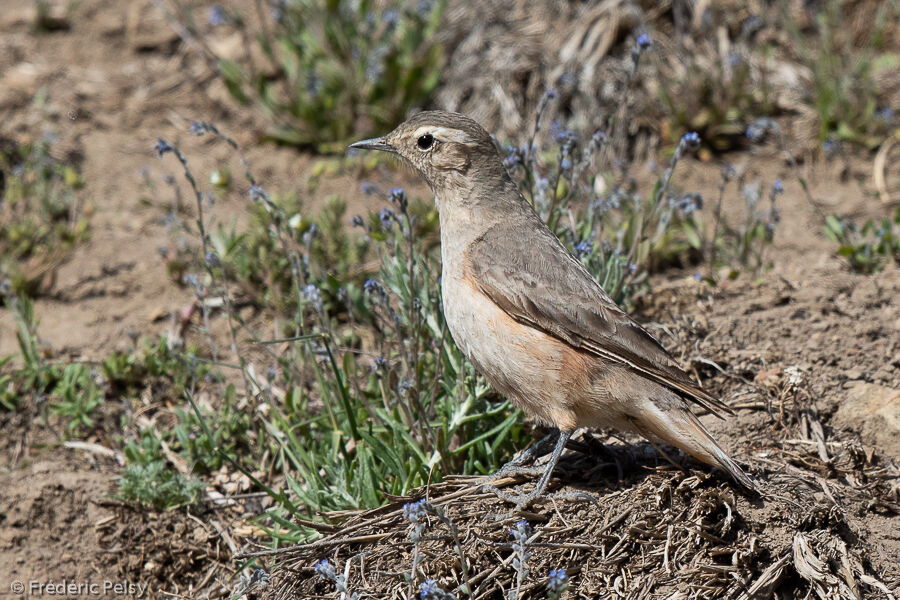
[531,318]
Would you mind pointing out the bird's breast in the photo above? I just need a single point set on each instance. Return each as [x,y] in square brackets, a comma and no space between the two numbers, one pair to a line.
[536,371]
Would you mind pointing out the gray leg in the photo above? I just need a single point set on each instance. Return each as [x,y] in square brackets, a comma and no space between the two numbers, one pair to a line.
[536,450]
[523,500]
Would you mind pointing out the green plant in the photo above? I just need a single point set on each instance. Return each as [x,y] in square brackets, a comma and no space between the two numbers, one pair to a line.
[715,95]
[40,217]
[845,71]
[370,425]
[148,481]
[75,393]
[868,248]
[156,486]
[33,375]
[740,244]
[410,414]
[206,448]
[254,259]
[78,397]
[160,360]
[618,232]
[342,68]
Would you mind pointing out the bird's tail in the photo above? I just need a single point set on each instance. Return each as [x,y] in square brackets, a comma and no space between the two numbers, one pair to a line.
[681,428]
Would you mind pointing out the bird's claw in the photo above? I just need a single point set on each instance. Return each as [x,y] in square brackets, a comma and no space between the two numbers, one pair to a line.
[520,500]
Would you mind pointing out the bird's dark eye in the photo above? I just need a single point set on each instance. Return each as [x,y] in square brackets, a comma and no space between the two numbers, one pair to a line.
[426,141]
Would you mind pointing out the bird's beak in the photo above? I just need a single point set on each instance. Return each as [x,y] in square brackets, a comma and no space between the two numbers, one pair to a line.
[373,144]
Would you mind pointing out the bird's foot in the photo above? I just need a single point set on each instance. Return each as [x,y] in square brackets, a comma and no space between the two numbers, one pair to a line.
[522,500]
[576,496]
[511,470]
[514,468]
[519,499]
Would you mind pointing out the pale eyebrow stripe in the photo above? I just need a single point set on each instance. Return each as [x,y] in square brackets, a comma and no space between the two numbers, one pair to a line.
[443,134]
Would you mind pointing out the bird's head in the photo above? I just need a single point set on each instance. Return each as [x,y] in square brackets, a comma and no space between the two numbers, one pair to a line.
[447,149]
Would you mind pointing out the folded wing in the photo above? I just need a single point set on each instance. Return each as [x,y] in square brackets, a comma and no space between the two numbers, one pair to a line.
[537,282]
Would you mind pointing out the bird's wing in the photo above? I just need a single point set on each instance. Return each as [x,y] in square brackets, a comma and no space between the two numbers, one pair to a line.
[538,283]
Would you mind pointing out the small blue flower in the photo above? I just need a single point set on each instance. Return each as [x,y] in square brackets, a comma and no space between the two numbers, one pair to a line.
[325,569]
[372,287]
[415,511]
[777,187]
[217,16]
[357,221]
[368,188]
[599,138]
[424,7]
[521,531]
[557,583]
[313,295]
[200,128]
[212,260]
[162,147]
[565,164]
[758,129]
[390,18]
[379,364]
[691,139]
[386,216]
[430,590]
[644,42]
[376,291]
[583,249]
[257,193]
[398,196]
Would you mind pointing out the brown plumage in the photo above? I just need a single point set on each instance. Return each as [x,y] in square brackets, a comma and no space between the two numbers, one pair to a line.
[530,317]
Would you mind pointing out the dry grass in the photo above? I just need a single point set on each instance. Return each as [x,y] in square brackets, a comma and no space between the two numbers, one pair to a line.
[648,529]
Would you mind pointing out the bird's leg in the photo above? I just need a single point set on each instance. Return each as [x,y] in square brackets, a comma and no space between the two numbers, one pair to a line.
[536,450]
[523,500]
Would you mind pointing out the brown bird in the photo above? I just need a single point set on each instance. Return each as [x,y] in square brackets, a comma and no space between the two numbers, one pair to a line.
[530,317]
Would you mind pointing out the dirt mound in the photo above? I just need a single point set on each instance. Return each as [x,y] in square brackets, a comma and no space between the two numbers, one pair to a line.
[624,523]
